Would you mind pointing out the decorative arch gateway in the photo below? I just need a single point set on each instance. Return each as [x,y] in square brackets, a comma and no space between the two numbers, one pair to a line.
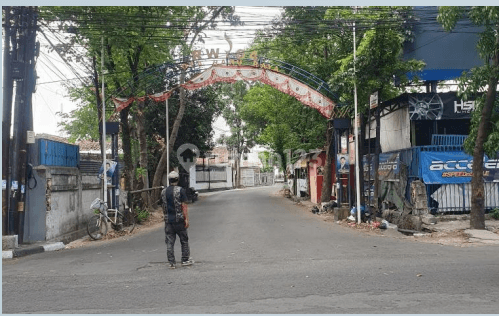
[234,71]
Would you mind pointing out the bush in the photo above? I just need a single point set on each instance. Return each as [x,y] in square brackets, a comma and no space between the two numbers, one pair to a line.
[142,215]
[495,213]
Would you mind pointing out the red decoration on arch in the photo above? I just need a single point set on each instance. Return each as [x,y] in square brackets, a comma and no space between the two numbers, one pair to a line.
[231,74]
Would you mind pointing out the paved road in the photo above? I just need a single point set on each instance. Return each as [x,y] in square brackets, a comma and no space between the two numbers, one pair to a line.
[257,253]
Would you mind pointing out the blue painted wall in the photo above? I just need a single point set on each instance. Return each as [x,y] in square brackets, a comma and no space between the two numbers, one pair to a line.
[446,54]
[52,153]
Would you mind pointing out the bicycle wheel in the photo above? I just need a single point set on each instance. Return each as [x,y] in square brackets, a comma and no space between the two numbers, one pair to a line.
[96,227]
[126,222]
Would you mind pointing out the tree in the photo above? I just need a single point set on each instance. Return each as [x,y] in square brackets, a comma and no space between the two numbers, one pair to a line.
[381,34]
[281,122]
[303,37]
[134,39]
[481,84]
[241,139]
[319,39]
[267,162]
[204,18]
[130,43]
[202,108]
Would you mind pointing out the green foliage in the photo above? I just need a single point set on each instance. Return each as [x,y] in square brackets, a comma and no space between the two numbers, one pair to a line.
[380,35]
[241,138]
[495,213]
[471,87]
[141,215]
[319,40]
[203,106]
[127,34]
[140,172]
[474,84]
[134,39]
[265,158]
[281,122]
[301,37]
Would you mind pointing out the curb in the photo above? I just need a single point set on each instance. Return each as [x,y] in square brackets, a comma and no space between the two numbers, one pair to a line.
[21,252]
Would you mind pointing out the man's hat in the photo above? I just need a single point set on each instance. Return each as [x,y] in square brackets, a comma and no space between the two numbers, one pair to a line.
[173,175]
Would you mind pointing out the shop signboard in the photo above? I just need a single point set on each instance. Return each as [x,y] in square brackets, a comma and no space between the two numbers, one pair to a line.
[351,149]
[454,167]
[373,100]
[388,169]
[438,106]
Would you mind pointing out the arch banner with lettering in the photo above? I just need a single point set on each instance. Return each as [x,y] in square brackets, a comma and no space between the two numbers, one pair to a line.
[231,74]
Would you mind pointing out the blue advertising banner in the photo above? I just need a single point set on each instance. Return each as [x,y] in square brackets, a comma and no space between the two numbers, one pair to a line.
[389,167]
[454,167]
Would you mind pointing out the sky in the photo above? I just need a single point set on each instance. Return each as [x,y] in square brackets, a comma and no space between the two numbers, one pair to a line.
[51,96]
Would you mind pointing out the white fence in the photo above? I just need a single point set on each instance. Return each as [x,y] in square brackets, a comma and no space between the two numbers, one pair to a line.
[218,177]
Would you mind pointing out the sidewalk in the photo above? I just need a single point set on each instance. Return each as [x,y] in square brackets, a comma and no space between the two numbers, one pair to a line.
[452,229]
[29,249]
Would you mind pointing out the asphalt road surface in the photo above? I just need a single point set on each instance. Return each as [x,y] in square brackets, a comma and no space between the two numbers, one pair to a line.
[256,253]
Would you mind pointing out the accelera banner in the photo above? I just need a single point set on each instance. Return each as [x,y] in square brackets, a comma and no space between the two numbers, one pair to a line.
[455,167]
[389,165]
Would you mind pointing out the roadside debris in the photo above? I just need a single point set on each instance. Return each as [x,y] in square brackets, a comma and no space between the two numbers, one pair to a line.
[444,230]
[386,225]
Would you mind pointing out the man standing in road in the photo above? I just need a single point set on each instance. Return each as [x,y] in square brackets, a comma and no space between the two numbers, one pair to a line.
[176,220]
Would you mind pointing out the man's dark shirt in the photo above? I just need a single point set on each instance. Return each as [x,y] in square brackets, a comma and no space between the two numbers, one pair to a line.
[173,197]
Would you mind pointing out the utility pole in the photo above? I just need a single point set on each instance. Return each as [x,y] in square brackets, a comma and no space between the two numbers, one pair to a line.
[29,86]
[24,59]
[104,164]
[357,141]
[8,86]
[376,155]
[19,104]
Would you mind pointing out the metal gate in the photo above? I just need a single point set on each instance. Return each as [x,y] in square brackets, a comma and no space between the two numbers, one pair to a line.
[456,198]
[248,177]
[266,178]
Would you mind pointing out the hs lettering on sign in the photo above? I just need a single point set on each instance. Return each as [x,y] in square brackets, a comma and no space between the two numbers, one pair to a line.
[464,106]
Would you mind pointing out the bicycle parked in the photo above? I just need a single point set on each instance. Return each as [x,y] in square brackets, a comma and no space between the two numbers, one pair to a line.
[120,221]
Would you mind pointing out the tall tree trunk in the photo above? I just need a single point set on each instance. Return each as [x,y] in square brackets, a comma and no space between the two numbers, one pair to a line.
[477,215]
[327,183]
[143,159]
[133,59]
[125,126]
[100,119]
[98,99]
[238,174]
[158,174]
[160,169]
[236,161]
[127,149]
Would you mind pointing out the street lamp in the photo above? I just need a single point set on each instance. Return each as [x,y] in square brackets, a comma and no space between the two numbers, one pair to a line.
[357,167]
